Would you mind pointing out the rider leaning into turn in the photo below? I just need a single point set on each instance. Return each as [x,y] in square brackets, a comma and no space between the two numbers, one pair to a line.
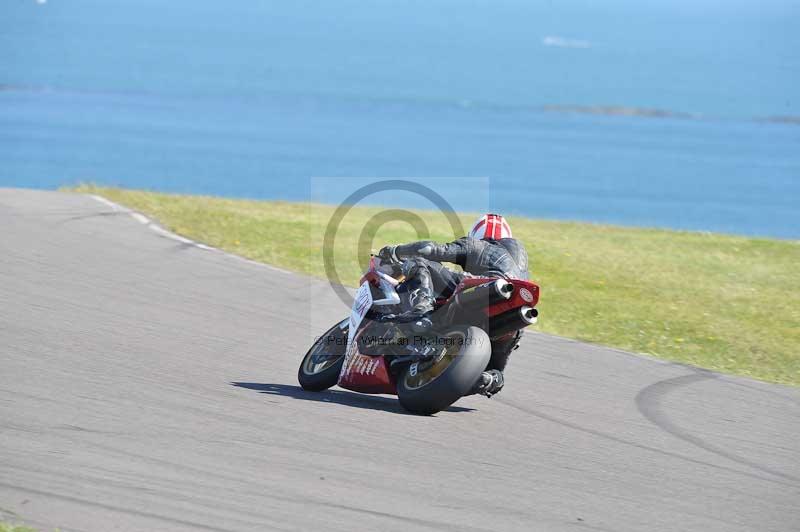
[488,251]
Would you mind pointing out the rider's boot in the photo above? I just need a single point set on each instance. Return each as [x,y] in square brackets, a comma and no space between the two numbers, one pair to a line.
[489,383]
[417,313]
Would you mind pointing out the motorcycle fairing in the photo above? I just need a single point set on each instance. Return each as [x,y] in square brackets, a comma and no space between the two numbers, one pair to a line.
[360,372]
[367,374]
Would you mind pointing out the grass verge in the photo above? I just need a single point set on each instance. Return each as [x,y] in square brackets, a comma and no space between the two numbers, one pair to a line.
[722,302]
[8,527]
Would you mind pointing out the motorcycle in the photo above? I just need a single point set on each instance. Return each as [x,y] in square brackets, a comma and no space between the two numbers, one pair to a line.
[428,364]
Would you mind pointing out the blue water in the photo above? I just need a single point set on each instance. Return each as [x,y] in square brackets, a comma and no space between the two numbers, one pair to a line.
[255,98]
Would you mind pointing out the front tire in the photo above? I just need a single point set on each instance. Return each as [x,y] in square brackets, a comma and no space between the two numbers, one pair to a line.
[427,388]
[322,364]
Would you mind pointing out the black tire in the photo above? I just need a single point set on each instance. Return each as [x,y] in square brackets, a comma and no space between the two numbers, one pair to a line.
[464,360]
[318,377]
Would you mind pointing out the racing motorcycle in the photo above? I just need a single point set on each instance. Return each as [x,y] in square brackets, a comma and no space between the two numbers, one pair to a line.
[429,364]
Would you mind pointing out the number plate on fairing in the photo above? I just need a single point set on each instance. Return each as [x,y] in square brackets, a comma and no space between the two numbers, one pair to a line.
[362,373]
[361,305]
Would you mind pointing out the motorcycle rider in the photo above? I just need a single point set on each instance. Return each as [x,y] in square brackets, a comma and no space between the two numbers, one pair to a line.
[489,250]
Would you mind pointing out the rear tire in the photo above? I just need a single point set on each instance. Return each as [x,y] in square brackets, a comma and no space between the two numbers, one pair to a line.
[433,388]
[320,374]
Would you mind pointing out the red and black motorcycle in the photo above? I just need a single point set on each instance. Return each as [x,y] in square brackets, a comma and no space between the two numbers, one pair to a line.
[428,364]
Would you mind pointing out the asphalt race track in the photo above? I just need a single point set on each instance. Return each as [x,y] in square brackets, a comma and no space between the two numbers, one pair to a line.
[148,384]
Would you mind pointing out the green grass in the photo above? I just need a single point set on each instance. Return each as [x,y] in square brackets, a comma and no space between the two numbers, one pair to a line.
[8,527]
[722,302]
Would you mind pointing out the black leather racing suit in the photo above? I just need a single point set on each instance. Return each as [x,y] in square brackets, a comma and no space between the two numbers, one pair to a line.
[427,277]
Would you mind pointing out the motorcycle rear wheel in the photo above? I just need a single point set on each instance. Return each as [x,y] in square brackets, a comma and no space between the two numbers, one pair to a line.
[322,364]
[427,388]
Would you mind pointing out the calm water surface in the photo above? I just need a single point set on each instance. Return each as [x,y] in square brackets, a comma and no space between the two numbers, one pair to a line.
[253,99]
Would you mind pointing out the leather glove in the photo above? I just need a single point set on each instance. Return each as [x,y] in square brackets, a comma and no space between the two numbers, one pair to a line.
[388,256]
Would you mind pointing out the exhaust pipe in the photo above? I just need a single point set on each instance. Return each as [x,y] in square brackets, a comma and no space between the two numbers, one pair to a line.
[511,321]
[484,295]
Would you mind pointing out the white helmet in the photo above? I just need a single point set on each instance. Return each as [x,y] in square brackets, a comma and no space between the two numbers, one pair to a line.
[490,227]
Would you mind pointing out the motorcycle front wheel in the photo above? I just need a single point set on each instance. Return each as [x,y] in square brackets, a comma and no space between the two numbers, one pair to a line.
[322,364]
[429,387]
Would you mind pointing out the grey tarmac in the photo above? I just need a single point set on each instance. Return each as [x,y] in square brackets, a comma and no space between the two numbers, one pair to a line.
[148,384]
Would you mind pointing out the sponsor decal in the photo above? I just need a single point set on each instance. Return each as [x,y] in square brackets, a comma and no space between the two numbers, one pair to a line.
[361,365]
[526,295]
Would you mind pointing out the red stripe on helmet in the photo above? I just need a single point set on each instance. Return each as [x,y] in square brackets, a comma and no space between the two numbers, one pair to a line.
[478,225]
[498,229]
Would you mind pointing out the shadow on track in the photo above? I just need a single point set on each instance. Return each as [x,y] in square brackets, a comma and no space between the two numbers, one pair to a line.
[356,400]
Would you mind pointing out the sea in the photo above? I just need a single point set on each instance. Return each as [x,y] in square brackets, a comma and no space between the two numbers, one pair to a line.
[678,114]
